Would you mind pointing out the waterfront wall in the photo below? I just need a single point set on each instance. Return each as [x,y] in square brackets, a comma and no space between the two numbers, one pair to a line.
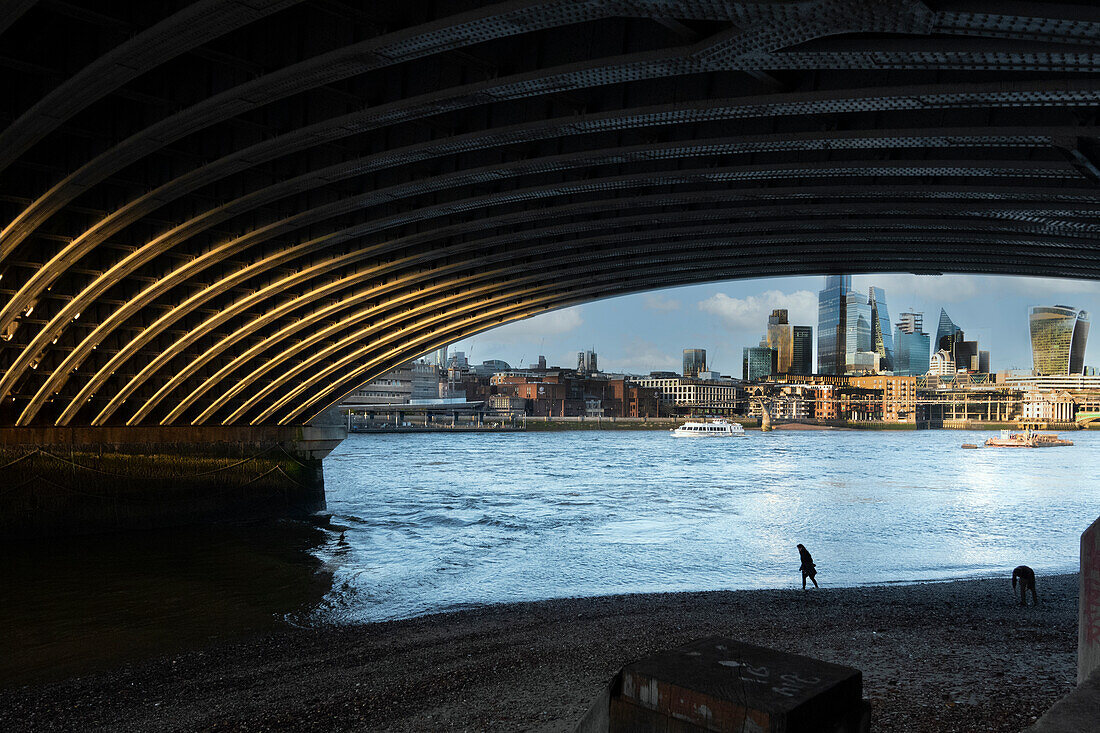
[1088,607]
[64,481]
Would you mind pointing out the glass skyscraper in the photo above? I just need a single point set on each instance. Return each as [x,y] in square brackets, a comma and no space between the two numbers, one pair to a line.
[947,328]
[802,350]
[1058,336]
[758,362]
[794,345]
[843,327]
[779,337]
[882,341]
[911,346]
[857,332]
[831,312]
[695,361]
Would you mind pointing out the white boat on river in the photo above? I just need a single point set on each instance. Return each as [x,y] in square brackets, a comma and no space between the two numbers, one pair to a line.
[713,429]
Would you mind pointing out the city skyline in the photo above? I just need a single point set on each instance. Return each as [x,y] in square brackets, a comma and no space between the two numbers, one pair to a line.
[648,331]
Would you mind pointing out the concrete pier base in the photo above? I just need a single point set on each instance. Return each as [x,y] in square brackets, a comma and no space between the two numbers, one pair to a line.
[65,481]
[1079,711]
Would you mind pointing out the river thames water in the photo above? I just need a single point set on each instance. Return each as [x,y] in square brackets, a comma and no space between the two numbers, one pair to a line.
[434,522]
[439,522]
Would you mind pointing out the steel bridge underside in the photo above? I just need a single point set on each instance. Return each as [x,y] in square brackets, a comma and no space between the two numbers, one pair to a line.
[233,213]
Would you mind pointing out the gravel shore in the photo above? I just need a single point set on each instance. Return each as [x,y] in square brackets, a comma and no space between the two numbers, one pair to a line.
[959,656]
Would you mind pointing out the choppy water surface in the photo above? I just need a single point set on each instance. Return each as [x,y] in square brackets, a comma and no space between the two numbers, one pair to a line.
[441,521]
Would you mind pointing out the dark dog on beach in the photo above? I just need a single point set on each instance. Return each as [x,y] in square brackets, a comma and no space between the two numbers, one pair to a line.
[1026,577]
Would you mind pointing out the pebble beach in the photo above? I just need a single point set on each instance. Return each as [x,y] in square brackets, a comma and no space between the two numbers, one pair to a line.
[955,656]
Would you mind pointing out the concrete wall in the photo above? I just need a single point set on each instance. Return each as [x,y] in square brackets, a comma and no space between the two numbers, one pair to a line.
[302,440]
[1088,608]
[63,481]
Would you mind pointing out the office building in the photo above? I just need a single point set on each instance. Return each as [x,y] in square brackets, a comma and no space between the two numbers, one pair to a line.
[590,365]
[831,312]
[942,364]
[802,350]
[843,327]
[722,395]
[865,362]
[793,344]
[911,346]
[695,361]
[395,387]
[1058,337]
[758,362]
[857,332]
[490,367]
[779,337]
[946,332]
[882,339]
[427,379]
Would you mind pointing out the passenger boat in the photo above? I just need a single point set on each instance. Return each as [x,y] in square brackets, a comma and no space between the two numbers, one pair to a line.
[1027,439]
[713,429]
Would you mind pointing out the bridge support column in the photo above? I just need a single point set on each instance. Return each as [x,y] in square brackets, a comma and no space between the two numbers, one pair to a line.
[61,481]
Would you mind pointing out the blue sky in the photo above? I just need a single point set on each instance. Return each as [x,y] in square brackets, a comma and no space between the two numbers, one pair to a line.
[648,331]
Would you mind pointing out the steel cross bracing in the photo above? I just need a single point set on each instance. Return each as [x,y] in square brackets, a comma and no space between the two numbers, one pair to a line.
[237,212]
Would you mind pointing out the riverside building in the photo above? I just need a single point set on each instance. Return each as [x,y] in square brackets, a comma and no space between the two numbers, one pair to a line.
[395,387]
[720,395]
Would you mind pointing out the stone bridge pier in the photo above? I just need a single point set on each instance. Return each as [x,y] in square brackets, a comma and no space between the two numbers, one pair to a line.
[64,481]
[1079,711]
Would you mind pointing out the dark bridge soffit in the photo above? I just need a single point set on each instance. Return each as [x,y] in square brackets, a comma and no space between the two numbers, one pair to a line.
[238,212]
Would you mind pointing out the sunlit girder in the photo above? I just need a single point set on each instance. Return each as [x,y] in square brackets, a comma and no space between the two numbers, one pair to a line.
[948,168]
[196,332]
[226,342]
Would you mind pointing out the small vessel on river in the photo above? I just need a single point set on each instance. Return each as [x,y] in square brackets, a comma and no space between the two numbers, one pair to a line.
[713,429]
[1027,439]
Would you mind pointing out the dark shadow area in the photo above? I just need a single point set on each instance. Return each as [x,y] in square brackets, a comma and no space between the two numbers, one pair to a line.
[85,604]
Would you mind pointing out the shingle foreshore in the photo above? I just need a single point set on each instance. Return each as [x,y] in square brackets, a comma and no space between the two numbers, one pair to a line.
[958,656]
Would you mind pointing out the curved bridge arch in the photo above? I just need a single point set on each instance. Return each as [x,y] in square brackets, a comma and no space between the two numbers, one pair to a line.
[244,210]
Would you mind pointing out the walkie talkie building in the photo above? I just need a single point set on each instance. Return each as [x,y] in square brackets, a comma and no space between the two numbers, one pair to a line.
[1058,337]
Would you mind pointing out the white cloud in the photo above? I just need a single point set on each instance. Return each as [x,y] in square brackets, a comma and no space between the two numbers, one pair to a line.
[554,323]
[751,312]
[935,288]
[658,302]
[961,288]
[1053,287]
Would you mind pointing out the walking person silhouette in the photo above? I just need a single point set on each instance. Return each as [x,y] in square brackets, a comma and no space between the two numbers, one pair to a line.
[809,570]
